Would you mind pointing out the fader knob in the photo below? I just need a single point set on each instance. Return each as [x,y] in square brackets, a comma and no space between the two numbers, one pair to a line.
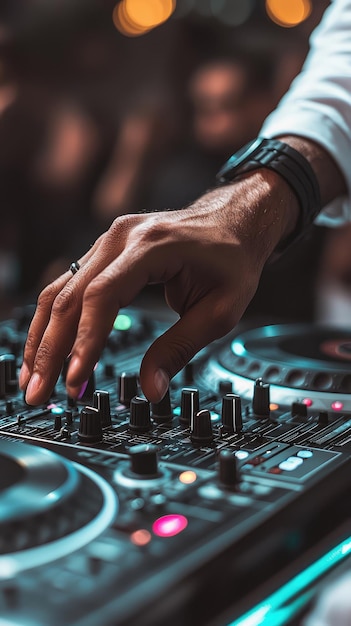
[201,432]
[8,379]
[58,422]
[162,411]
[260,401]
[225,386]
[189,405]
[144,460]
[90,429]
[231,414]
[139,420]
[229,475]
[101,401]
[127,388]
[323,418]
[299,409]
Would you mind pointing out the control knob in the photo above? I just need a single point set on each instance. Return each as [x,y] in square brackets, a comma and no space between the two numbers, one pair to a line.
[231,414]
[144,460]
[229,474]
[139,420]
[8,379]
[201,432]
[260,401]
[189,405]
[101,401]
[162,411]
[90,429]
[127,388]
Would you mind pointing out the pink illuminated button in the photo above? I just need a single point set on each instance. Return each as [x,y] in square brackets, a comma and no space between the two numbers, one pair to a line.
[337,405]
[169,525]
[307,401]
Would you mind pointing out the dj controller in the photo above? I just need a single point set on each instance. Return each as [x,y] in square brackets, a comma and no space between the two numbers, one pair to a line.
[193,511]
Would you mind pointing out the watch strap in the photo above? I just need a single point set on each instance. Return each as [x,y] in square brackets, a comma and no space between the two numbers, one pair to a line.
[291,165]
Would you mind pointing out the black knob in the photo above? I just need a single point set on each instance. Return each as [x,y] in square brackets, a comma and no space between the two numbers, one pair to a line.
[69,416]
[231,414]
[201,432]
[8,378]
[9,407]
[189,405]
[90,429]
[127,388]
[144,460]
[299,409]
[260,401]
[58,421]
[162,411]
[139,420]
[323,418]
[225,386]
[109,370]
[229,474]
[101,401]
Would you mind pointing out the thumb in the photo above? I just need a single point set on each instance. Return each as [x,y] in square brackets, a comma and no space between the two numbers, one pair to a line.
[205,321]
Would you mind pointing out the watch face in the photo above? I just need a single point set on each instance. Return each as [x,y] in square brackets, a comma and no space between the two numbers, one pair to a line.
[239,158]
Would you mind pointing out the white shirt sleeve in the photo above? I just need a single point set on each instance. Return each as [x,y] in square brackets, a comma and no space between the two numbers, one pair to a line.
[318,103]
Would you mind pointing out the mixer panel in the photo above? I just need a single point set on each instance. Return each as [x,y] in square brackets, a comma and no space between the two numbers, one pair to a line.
[118,511]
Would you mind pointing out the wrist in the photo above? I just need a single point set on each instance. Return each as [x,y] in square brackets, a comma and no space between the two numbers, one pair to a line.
[257,211]
[292,167]
[330,178]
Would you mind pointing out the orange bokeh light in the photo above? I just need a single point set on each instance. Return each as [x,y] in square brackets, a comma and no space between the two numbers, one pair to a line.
[187,477]
[288,13]
[140,537]
[137,17]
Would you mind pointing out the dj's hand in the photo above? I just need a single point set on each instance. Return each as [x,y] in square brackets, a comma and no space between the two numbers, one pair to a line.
[209,257]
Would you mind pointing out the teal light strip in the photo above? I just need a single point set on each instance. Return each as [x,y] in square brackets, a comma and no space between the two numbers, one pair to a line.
[285,602]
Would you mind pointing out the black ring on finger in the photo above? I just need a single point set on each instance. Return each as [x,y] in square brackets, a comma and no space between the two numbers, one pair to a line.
[74,267]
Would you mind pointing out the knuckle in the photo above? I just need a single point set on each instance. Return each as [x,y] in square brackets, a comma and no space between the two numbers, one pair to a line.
[43,357]
[64,302]
[46,297]
[152,232]
[122,224]
[31,342]
[96,289]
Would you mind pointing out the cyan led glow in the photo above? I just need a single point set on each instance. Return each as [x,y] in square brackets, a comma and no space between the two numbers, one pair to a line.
[275,610]
[122,322]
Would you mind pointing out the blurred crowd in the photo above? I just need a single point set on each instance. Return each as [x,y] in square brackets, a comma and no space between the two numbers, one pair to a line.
[94,125]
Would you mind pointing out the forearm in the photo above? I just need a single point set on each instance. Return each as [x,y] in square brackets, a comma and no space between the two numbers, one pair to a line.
[317,108]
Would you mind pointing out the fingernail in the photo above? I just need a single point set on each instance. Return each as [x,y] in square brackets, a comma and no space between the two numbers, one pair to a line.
[33,386]
[161,381]
[82,389]
[24,376]
[77,392]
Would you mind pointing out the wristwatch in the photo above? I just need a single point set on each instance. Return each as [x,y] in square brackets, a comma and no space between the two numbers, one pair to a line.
[291,165]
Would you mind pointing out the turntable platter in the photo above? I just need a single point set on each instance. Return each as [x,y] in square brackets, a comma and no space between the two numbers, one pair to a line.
[298,360]
[48,506]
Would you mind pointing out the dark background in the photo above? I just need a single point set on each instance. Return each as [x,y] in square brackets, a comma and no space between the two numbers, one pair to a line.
[64,60]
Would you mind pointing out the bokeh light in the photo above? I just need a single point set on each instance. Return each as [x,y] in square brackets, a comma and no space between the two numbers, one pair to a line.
[140,537]
[288,13]
[137,17]
[187,477]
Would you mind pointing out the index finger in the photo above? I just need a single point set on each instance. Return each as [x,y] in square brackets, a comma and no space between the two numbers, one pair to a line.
[42,316]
